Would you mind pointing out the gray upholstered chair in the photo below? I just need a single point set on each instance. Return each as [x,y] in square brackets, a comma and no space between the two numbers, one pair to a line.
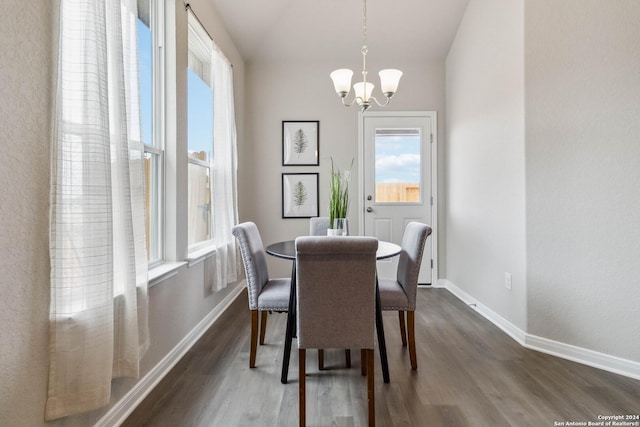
[400,294]
[318,226]
[264,294]
[336,285]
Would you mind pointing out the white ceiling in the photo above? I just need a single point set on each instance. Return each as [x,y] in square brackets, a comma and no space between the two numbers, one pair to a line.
[331,30]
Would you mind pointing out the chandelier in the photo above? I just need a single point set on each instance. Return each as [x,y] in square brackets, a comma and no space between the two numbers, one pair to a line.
[389,78]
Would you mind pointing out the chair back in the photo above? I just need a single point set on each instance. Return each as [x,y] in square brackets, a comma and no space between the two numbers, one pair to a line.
[336,282]
[318,226]
[413,241]
[254,259]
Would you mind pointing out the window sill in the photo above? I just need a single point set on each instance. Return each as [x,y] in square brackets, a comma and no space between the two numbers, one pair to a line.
[163,272]
[199,255]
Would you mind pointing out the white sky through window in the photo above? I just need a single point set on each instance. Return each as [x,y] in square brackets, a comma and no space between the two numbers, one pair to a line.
[397,153]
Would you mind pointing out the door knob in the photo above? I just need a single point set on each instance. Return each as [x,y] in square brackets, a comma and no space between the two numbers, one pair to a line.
[369,209]
[369,197]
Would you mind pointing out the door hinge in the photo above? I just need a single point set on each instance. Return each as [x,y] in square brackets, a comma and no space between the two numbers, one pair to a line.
[431,200]
[432,138]
[431,263]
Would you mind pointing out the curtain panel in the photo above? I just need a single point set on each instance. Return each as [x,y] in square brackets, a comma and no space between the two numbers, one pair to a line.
[98,311]
[213,67]
[225,166]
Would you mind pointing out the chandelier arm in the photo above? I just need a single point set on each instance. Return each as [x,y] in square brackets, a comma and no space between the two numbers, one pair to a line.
[353,101]
[380,105]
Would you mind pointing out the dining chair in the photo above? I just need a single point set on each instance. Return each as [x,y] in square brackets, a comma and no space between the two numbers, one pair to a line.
[264,294]
[400,294]
[336,290]
[318,226]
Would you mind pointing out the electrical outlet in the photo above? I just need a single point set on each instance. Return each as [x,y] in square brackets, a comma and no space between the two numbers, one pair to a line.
[507,280]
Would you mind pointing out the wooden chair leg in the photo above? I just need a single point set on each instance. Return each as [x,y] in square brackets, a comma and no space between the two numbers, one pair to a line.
[412,339]
[363,362]
[263,326]
[347,357]
[403,331]
[302,366]
[254,338]
[371,389]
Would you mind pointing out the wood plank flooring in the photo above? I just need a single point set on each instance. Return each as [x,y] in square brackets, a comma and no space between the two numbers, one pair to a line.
[469,374]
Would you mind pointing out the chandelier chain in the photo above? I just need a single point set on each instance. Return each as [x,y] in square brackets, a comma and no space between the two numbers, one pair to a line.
[364,24]
[365,49]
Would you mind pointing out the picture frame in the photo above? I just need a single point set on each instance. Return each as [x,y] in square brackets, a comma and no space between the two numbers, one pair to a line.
[300,143]
[300,197]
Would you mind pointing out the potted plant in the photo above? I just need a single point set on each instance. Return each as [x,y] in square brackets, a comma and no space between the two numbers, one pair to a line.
[338,198]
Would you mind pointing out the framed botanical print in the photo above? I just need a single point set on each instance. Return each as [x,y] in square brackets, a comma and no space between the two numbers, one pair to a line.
[300,197]
[300,143]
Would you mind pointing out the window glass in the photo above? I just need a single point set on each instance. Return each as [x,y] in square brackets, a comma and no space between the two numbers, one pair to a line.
[200,135]
[397,165]
[145,78]
[200,118]
[199,206]
[152,195]
[153,151]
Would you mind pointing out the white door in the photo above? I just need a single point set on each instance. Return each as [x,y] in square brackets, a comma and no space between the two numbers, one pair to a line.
[397,185]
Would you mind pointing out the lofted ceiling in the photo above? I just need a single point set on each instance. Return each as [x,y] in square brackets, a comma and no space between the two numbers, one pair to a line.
[331,30]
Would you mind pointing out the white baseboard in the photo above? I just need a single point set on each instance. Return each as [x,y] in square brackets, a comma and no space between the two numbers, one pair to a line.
[125,406]
[606,362]
[502,323]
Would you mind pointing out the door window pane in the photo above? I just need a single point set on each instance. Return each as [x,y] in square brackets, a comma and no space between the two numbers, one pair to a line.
[398,165]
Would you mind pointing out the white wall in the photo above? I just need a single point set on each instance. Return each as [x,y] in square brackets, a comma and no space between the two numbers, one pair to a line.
[576,269]
[485,187]
[176,305]
[583,158]
[303,91]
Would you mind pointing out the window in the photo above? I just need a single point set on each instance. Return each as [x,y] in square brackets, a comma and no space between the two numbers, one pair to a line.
[397,165]
[150,107]
[200,136]
[212,208]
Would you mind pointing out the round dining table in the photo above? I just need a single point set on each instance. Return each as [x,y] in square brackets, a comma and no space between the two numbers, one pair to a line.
[287,250]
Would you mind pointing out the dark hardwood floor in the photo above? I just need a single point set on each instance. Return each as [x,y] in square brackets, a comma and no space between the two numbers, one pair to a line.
[469,374]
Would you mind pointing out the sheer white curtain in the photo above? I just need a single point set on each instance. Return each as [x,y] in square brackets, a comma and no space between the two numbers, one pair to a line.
[198,195]
[225,166]
[98,313]
[211,65]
